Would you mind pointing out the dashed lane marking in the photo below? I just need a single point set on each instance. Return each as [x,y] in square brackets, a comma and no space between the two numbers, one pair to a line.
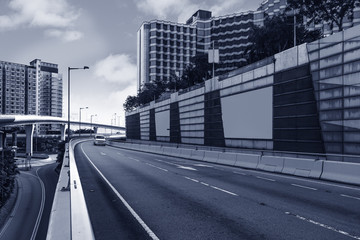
[163,169]
[244,174]
[301,186]
[104,154]
[208,185]
[266,179]
[323,225]
[348,196]
[134,159]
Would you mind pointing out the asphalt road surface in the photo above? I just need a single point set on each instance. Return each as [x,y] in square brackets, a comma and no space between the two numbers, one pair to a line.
[134,195]
[30,216]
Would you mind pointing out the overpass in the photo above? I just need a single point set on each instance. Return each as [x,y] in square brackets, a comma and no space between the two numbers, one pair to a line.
[28,121]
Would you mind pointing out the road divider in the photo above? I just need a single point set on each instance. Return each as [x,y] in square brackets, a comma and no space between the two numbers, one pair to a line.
[341,172]
[309,168]
[69,217]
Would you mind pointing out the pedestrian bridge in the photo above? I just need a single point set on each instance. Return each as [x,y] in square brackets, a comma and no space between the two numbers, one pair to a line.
[28,121]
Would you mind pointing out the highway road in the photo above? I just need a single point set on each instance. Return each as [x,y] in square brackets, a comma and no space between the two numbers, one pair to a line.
[134,195]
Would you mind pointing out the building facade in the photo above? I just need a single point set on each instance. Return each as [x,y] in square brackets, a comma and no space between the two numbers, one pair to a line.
[165,48]
[302,100]
[34,89]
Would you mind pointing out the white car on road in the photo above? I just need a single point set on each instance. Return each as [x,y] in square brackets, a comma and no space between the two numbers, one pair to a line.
[99,140]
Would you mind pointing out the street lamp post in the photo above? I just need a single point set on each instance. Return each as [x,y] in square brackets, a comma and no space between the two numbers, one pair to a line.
[80,118]
[69,69]
[93,115]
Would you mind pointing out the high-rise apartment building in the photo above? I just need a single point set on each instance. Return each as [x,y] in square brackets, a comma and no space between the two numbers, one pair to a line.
[34,89]
[166,47]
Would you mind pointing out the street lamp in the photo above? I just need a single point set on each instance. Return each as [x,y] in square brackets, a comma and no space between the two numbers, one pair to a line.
[80,118]
[69,69]
[93,115]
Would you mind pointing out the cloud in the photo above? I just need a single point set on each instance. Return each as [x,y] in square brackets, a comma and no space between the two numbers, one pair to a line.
[42,14]
[118,68]
[164,8]
[66,36]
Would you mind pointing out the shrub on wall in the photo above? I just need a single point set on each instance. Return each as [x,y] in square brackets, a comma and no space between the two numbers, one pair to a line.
[8,171]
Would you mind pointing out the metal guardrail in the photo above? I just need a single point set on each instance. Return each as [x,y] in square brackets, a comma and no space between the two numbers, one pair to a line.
[69,217]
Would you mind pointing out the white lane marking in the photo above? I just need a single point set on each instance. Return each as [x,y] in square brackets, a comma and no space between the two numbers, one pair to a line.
[244,174]
[205,184]
[301,186]
[37,224]
[134,159]
[120,154]
[323,225]
[163,169]
[191,179]
[303,180]
[223,190]
[267,179]
[187,168]
[177,165]
[348,196]
[104,154]
[131,210]
[217,188]
[202,165]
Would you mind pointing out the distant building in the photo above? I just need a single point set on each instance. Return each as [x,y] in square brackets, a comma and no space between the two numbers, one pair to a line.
[165,48]
[34,89]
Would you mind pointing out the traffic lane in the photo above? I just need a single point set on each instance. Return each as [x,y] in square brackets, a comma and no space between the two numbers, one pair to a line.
[108,216]
[320,206]
[50,178]
[247,217]
[26,210]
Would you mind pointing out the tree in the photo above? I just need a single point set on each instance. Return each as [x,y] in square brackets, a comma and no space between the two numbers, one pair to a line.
[275,36]
[332,11]
[131,103]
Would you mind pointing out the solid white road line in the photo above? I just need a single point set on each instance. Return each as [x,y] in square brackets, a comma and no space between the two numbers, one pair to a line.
[36,227]
[301,186]
[323,225]
[348,196]
[131,210]
[267,179]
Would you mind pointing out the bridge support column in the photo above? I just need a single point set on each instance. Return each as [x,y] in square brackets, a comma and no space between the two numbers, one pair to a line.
[62,131]
[29,130]
[2,140]
[95,130]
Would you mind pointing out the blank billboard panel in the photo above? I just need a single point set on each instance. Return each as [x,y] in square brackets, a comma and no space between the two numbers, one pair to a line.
[248,115]
[162,120]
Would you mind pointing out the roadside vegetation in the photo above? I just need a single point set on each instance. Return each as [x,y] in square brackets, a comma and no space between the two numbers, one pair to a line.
[8,171]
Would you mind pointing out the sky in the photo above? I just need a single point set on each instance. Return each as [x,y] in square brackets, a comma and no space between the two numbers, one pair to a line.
[97,34]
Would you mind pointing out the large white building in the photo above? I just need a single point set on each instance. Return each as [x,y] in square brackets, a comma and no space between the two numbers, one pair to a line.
[34,89]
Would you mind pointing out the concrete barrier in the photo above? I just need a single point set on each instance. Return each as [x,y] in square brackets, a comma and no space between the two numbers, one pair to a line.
[250,161]
[175,152]
[341,172]
[197,155]
[167,151]
[271,164]
[227,158]
[211,156]
[302,167]
[185,153]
